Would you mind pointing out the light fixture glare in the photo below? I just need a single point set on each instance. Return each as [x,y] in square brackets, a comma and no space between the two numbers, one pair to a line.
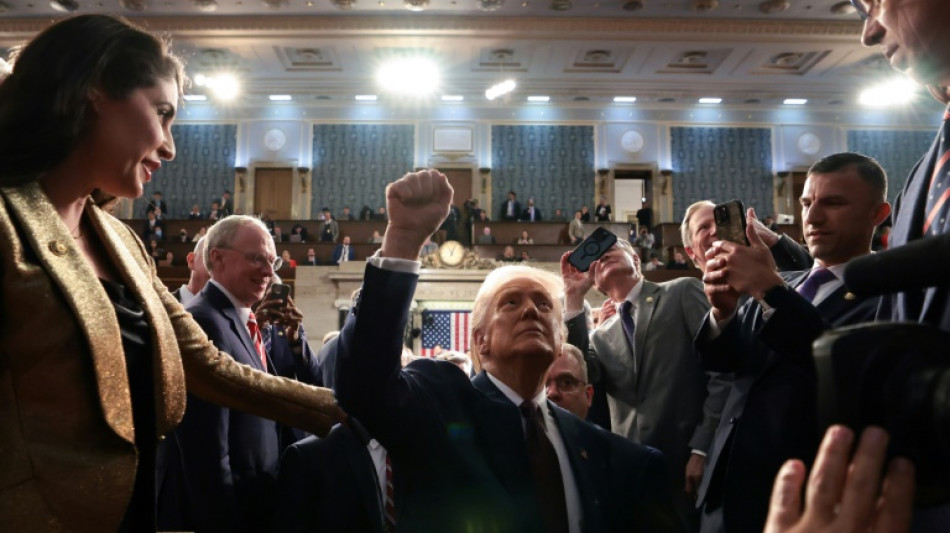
[710,100]
[625,99]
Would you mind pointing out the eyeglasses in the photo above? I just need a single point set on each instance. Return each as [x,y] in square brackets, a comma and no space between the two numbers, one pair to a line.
[565,383]
[865,7]
[258,260]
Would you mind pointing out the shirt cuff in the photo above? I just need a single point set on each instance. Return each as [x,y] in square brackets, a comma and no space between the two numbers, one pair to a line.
[715,328]
[698,452]
[568,315]
[407,266]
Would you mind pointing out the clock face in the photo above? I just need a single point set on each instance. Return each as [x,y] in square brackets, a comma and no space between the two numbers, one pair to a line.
[451,253]
[274,139]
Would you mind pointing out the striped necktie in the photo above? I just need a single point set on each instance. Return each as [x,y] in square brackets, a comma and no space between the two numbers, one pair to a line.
[939,190]
[390,500]
[258,340]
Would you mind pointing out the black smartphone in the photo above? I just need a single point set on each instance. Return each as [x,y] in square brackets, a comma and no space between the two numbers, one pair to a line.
[591,249]
[730,222]
[279,291]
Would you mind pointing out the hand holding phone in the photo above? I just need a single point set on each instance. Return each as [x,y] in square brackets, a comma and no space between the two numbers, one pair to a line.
[279,291]
[730,222]
[591,249]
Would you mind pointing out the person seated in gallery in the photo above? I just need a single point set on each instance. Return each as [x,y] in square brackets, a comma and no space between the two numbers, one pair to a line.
[525,238]
[678,263]
[195,213]
[509,255]
[486,238]
[289,261]
[298,234]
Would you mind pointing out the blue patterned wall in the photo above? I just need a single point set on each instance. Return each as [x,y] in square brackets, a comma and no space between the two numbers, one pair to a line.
[553,164]
[896,151]
[203,167]
[721,164]
[353,163]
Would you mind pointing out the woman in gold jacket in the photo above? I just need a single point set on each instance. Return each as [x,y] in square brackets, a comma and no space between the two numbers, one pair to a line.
[86,114]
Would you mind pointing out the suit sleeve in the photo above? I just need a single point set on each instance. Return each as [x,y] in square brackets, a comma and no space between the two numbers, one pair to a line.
[216,377]
[369,382]
[789,255]
[653,502]
[695,306]
[298,489]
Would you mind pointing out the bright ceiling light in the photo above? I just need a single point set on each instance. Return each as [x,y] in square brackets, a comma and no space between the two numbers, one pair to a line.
[539,99]
[452,98]
[897,91]
[710,100]
[195,97]
[795,101]
[223,86]
[366,98]
[402,76]
[625,99]
[280,98]
[500,89]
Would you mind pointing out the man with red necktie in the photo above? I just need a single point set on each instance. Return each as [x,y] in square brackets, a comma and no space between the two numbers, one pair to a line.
[230,459]
[911,35]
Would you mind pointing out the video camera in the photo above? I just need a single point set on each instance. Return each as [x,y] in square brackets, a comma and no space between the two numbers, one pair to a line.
[894,375]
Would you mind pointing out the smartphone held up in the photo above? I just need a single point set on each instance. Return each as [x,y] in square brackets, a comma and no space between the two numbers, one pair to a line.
[591,249]
[730,222]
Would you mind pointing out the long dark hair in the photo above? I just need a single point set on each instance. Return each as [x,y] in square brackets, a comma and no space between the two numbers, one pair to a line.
[44,101]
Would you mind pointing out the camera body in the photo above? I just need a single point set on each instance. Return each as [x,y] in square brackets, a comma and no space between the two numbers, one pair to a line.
[591,249]
[895,376]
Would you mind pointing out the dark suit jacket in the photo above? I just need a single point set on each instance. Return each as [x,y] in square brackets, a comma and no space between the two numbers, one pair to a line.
[230,457]
[770,414]
[789,255]
[328,485]
[526,216]
[503,212]
[161,205]
[338,253]
[298,367]
[932,305]
[457,446]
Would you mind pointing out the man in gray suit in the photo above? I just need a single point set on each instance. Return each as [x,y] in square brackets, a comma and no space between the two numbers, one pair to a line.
[656,388]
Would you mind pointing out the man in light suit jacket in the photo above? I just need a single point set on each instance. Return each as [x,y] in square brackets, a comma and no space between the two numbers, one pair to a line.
[657,391]
[770,414]
[465,444]
[230,458]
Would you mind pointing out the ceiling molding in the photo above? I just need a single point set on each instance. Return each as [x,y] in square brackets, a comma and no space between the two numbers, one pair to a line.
[632,29]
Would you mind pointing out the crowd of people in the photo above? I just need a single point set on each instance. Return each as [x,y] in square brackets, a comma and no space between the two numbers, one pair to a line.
[684,408]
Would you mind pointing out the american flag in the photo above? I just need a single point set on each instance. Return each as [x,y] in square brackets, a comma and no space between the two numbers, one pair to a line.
[448,329]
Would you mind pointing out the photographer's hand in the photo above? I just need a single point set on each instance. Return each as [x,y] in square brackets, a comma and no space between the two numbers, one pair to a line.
[576,284]
[843,497]
[747,269]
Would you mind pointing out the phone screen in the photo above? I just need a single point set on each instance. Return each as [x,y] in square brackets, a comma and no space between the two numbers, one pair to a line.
[279,291]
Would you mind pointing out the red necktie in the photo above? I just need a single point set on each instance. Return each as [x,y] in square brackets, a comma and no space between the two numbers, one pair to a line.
[939,191]
[256,337]
[390,517]
[545,469]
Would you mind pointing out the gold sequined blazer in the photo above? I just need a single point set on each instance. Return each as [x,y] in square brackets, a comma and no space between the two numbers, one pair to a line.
[67,458]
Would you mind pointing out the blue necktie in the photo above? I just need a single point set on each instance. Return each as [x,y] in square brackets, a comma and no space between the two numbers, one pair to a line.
[626,319]
[816,279]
